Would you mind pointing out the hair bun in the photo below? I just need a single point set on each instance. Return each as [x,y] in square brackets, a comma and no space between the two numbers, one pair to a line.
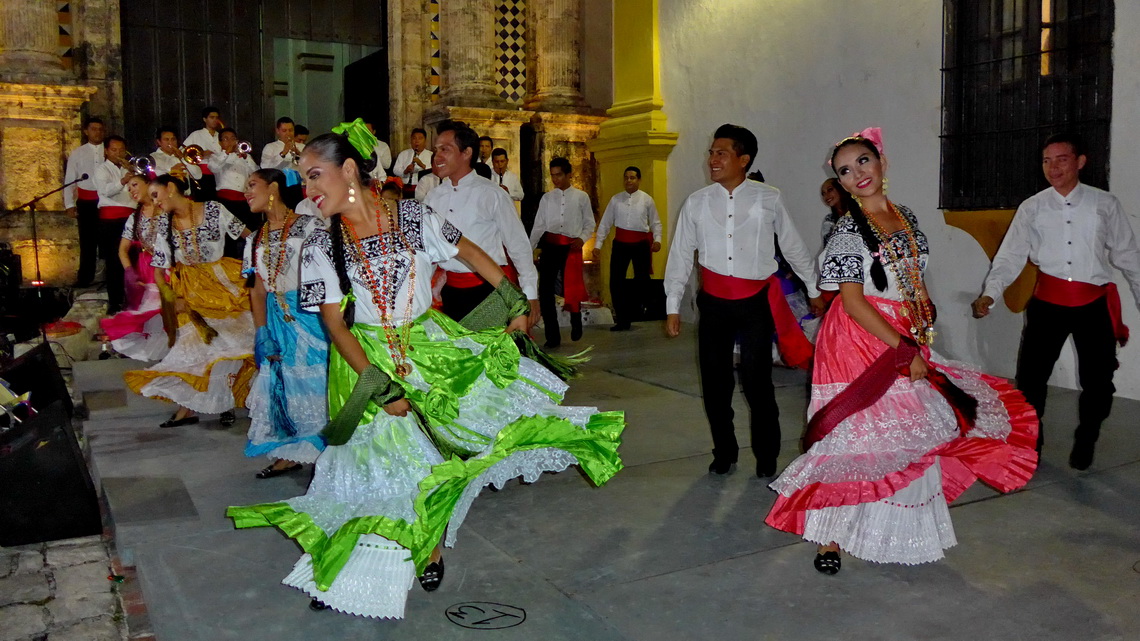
[369,163]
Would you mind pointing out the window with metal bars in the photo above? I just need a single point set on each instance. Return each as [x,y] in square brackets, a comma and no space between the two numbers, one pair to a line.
[1014,72]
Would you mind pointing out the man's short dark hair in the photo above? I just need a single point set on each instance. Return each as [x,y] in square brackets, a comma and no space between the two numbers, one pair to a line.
[743,141]
[483,170]
[561,163]
[420,130]
[465,137]
[210,109]
[487,138]
[90,120]
[635,170]
[284,120]
[112,138]
[163,129]
[498,151]
[227,130]
[300,130]
[1066,138]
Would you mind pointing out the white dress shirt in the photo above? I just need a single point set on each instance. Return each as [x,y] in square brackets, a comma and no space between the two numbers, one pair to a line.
[164,162]
[509,180]
[405,159]
[426,185]
[635,212]
[383,160]
[231,171]
[487,217]
[83,160]
[1078,237]
[563,211]
[733,236]
[271,157]
[108,178]
[206,139]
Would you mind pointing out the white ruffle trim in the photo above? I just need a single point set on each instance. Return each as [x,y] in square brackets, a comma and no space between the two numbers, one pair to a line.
[218,397]
[148,345]
[299,452]
[191,355]
[373,583]
[911,527]
[530,465]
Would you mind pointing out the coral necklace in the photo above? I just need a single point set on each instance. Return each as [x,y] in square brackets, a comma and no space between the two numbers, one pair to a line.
[907,268]
[385,289]
[278,263]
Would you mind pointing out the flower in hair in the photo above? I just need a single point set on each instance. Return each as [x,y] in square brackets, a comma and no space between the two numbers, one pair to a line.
[873,135]
[358,136]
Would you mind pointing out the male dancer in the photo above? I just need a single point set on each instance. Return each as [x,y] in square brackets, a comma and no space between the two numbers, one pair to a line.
[115,206]
[731,225]
[562,225]
[82,200]
[633,215]
[485,215]
[1075,234]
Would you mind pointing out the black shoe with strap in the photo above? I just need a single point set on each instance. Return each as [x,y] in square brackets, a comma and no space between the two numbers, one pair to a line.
[432,576]
[179,422]
[827,562]
[270,471]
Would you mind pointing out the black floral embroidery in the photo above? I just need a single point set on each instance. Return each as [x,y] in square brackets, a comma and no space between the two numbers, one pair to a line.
[450,232]
[312,294]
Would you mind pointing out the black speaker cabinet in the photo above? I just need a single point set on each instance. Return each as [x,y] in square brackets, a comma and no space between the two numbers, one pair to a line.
[46,492]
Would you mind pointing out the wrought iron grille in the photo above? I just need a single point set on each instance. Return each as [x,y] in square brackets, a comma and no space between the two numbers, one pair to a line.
[1014,72]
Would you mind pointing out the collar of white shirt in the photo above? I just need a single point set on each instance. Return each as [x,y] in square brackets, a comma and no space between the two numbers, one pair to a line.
[1073,199]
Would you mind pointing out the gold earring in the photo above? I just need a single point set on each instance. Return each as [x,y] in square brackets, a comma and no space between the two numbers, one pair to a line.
[271,201]
[352,193]
[884,185]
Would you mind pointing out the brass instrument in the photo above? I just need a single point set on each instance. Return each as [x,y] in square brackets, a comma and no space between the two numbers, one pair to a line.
[194,154]
[141,165]
[244,147]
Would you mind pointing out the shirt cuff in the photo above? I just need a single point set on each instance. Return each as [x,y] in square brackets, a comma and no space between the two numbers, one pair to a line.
[812,290]
[993,291]
[672,304]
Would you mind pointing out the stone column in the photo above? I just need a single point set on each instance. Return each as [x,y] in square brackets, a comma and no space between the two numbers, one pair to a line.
[555,29]
[468,52]
[29,37]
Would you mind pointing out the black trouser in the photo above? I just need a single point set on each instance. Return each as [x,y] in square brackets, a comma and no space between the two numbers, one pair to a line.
[87,214]
[722,323]
[1046,328]
[459,301]
[628,296]
[239,208]
[110,233]
[550,265]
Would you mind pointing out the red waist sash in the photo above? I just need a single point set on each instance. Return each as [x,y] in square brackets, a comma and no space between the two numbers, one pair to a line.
[231,194]
[573,284]
[87,194]
[115,212]
[730,287]
[1071,293]
[630,236]
[794,346]
[467,280]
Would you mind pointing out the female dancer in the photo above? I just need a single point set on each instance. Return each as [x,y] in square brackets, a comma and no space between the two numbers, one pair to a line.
[210,364]
[838,202]
[436,410]
[136,332]
[892,439]
[287,404]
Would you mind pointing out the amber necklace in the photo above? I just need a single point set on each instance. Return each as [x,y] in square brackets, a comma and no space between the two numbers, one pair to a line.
[908,276]
[278,263]
[384,288]
[192,232]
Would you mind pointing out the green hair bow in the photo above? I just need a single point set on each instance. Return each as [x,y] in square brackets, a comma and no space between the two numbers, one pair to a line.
[358,136]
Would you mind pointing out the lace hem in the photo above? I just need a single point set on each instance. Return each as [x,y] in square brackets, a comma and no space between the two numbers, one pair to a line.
[373,583]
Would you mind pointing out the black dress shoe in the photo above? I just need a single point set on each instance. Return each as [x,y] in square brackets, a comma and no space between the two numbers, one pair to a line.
[227,418]
[432,576]
[179,422]
[317,605]
[765,470]
[621,327]
[551,344]
[1082,455]
[720,467]
[827,563]
[270,471]
[575,326]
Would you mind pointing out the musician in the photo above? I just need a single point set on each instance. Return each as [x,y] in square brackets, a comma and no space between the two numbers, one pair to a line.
[115,206]
[504,178]
[486,147]
[232,168]
[209,136]
[383,155]
[82,201]
[170,158]
[285,152]
[300,134]
[412,161]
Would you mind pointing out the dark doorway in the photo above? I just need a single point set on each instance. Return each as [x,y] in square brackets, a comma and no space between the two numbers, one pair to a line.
[366,92]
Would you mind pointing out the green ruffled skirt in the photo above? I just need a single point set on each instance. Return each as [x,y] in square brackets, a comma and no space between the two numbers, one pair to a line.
[379,504]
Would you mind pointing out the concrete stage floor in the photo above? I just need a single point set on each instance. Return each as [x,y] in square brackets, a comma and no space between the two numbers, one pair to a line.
[664,551]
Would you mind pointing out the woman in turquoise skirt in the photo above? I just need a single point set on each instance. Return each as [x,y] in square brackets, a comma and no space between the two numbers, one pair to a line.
[427,410]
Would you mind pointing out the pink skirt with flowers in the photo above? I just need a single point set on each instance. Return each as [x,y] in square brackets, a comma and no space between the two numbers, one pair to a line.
[137,331]
[879,483]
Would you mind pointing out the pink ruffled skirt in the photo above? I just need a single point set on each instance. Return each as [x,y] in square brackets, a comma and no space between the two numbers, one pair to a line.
[137,331]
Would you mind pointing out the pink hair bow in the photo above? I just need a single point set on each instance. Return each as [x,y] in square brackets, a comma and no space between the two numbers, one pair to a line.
[873,134]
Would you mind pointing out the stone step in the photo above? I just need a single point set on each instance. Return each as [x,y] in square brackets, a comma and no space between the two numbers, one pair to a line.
[121,403]
[98,376]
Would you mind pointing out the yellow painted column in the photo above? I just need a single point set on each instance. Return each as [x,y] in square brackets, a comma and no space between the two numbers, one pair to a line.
[636,132]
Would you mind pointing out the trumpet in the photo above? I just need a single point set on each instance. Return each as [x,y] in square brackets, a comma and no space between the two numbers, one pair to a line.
[244,147]
[141,165]
[194,154]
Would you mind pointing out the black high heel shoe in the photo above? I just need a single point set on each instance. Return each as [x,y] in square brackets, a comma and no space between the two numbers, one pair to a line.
[179,422]
[827,563]
[317,605]
[432,576]
[227,418]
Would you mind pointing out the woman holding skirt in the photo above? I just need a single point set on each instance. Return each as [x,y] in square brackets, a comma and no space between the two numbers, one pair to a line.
[136,332]
[210,364]
[288,403]
[896,432]
[427,411]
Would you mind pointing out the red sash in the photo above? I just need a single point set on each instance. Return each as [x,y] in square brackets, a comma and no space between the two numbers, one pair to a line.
[794,346]
[205,170]
[1075,293]
[115,212]
[231,194]
[467,280]
[730,287]
[87,194]
[573,285]
[630,236]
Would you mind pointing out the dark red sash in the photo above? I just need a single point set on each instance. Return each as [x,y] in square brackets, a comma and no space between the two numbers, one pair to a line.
[573,285]
[794,346]
[630,236]
[115,212]
[1075,293]
[88,194]
[467,280]
[729,287]
[231,194]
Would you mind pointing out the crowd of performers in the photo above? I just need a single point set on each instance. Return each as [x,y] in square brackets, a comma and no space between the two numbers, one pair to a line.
[410,395]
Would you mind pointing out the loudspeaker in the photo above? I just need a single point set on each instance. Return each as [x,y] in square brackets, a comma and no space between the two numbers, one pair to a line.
[46,492]
[37,372]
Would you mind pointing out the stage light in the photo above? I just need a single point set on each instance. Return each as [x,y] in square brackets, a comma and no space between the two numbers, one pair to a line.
[37,283]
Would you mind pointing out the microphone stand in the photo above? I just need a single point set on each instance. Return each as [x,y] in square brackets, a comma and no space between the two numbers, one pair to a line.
[38,283]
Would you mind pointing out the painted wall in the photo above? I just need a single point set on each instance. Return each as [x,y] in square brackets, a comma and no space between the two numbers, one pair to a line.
[597,53]
[803,75]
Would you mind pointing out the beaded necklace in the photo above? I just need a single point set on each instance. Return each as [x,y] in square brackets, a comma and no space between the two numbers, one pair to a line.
[908,275]
[193,233]
[149,232]
[384,292]
[278,263]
